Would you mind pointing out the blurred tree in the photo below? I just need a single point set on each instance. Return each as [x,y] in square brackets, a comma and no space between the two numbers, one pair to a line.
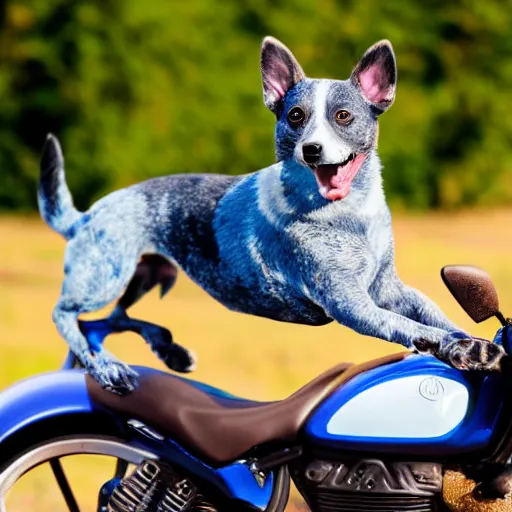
[139,89]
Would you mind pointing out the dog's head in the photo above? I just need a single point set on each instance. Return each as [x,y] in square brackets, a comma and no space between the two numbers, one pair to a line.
[329,126]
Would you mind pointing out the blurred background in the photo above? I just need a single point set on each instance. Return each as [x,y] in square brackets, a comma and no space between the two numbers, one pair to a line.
[140,89]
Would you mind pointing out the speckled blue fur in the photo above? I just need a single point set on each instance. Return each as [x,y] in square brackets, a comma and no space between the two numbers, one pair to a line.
[266,244]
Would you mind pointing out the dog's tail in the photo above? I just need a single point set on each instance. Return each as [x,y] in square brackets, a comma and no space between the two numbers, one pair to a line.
[54,198]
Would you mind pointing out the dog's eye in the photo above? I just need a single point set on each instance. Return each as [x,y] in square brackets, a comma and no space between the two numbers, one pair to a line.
[343,117]
[296,116]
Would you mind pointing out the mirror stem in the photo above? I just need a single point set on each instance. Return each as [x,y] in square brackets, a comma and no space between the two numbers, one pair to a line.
[501,318]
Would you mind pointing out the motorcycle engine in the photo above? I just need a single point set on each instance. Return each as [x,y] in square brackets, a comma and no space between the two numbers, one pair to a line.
[157,487]
[370,484]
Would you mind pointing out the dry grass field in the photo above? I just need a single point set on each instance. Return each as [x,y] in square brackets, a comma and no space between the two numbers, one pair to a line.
[248,356]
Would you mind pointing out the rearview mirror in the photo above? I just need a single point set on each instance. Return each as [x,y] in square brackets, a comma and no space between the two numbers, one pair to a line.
[474,290]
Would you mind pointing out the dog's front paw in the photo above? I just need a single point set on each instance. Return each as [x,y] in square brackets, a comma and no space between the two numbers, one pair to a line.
[113,376]
[466,354]
[423,346]
[475,354]
[176,357]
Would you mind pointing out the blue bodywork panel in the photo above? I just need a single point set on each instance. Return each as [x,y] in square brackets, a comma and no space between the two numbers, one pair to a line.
[42,397]
[486,393]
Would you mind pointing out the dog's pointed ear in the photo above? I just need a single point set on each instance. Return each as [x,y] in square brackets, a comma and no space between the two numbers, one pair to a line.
[280,71]
[375,75]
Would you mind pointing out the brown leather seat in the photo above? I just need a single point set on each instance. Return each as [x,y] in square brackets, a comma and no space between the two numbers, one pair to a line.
[221,428]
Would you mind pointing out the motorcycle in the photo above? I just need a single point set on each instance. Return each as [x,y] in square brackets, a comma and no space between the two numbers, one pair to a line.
[405,432]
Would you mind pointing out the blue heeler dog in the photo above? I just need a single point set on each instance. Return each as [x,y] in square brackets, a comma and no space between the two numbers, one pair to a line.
[307,240]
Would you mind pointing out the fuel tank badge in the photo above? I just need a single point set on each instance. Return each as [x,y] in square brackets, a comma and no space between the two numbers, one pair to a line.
[432,389]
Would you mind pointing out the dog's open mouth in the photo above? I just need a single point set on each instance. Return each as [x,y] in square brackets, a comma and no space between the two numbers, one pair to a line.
[334,180]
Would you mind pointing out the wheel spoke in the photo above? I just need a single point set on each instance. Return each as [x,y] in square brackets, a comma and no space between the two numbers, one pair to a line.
[121,468]
[65,488]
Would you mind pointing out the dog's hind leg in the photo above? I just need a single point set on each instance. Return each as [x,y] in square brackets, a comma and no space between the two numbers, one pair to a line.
[159,338]
[111,374]
[95,275]
[152,270]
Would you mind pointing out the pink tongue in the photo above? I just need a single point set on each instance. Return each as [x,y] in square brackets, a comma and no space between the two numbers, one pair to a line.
[342,180]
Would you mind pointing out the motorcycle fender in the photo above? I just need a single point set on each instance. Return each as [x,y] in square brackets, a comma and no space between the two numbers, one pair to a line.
[43,397]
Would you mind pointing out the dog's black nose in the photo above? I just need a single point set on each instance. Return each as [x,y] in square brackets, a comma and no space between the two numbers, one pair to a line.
[312,153]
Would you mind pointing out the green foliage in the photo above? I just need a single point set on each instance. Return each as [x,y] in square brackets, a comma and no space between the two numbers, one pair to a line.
[137,89]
